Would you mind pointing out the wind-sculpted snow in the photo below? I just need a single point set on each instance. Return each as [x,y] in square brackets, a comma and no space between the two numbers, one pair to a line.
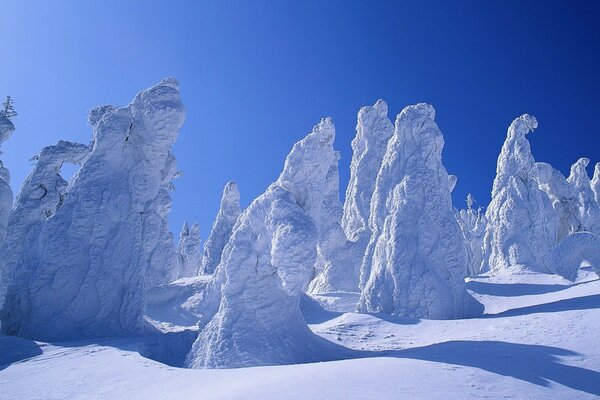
[188,249]
[472,224]
[267,264]
[563,198]
[573,251]
[6,195]
[87,278]
[521,230]
[588,209]
[415,263]
[222,228]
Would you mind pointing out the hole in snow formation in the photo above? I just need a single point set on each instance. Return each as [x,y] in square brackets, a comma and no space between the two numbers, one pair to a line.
[68,171]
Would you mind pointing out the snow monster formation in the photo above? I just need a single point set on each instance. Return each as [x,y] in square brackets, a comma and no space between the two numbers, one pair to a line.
[416,262]
[595,183]
[87,279]
[229,211]
[573,251]
[6,196]
[588,209]
[472,224]
[266,265]
[188,249]
[563,198]
[521,230]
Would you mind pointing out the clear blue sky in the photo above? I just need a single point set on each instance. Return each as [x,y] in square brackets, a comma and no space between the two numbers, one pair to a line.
[256,76]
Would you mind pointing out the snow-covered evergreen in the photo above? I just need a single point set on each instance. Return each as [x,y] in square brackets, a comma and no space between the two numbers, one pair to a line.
[415,263]
[472,224]
[222,228]
[6,196]
[188,249]
[595,183]
[588,208]
[521,226]
[266,265]
[575,249]
[88,276]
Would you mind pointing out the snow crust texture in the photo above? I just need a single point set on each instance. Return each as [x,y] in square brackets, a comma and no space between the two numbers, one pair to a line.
[6,195]
[266,265]
[87,275]
[521,230]
[416,262]
[222,228]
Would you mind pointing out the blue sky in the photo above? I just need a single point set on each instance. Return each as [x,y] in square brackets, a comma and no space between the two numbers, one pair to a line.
[256,76]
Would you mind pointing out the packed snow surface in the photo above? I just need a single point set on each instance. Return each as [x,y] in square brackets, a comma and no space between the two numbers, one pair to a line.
[537,341]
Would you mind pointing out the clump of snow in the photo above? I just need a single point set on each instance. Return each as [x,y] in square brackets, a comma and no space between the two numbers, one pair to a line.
[415,263]
[188,249]
[222,228]
[574,250]
[588,208]
[266,265]
[6,196]
[521,226]
[87,278]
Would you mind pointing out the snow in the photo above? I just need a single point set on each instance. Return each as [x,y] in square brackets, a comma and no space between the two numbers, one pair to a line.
[589,210]
[416,261]
[537,341]
[6,195]
[521,229]
[595,183]
[575,249]
[473,224]
[188,249]
[222,228]
[86,278]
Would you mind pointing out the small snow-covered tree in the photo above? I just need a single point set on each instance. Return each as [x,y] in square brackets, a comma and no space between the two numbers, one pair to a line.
[8,108]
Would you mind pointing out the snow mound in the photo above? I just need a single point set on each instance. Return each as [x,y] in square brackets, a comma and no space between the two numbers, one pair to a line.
[415,263]
[575,249]
[521,229]
[87,276]
[266,265]
[222,228]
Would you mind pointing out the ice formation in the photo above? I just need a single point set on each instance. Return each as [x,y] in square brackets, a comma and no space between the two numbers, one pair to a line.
[188,249]
[266,265]
[415,263]
[574,250]
[521,225]
[222,228]
[472,224]
[588,209]
[87,277]
[6,195]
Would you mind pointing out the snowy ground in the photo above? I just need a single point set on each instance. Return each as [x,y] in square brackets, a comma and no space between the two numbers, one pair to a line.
[538,340]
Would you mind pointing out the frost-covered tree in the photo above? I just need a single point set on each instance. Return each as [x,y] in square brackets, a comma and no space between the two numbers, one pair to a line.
[265,266]
[595,183]
[521,224]
[8,108]
[229,211]
[472,224]
[588,209]
[87,279]
[415,263]
[188,249]
[6,195]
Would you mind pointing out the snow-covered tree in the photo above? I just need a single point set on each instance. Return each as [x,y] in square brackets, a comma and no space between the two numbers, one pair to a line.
[521,227]
[87,279]
[188,249]
[8,108]
[595,183]
[6,195]
[472,224]
[589,211]
[415,263]
[265,266]
[222,228]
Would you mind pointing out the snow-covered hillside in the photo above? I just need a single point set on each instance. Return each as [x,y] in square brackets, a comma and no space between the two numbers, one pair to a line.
[538,340]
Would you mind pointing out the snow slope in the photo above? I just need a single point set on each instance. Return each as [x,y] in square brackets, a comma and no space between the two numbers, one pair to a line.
[538,340]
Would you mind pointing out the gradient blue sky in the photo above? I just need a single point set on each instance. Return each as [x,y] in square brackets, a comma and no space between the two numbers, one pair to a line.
[256,76]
